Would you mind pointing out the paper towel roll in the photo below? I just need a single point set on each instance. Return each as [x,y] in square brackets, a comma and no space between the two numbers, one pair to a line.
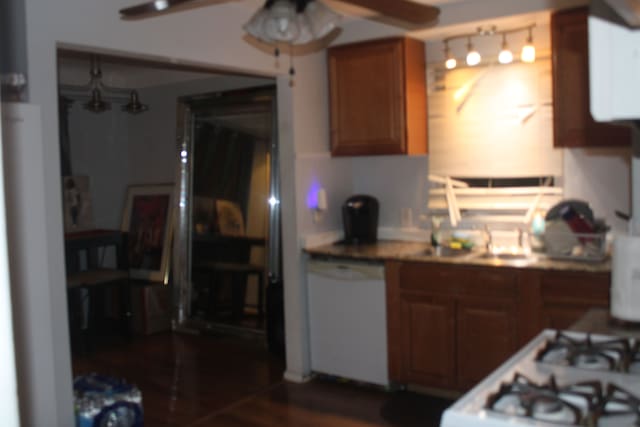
[625,278]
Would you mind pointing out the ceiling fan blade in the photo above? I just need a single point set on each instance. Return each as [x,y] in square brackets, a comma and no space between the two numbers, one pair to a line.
[403,10]
[160,7]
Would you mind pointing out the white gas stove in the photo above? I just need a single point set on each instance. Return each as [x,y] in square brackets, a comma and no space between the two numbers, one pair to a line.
[559,378]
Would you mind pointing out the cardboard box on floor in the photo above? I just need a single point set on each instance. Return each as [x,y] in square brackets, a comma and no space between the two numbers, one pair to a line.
[151,309]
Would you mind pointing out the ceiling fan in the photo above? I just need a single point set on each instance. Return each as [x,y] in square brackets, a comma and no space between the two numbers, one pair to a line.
[295,21]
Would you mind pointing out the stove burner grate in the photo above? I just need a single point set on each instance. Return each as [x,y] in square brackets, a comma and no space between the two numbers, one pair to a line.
[606,355]
[621,405]
[578,404]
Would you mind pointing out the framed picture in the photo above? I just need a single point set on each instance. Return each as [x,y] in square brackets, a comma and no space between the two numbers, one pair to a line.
[78,215]
[148,220]
[229,218]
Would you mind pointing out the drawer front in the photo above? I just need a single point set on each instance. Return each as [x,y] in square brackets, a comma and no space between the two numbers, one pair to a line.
[433,278]
[491,282]
[575,287]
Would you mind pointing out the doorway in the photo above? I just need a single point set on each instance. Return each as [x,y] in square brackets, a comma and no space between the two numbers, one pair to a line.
[115,149]
[229,229]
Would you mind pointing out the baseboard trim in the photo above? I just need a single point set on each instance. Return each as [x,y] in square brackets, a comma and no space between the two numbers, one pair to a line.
[295,377]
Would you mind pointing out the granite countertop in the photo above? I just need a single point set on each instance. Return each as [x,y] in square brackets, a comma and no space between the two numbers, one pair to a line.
[387,250]
[598,321]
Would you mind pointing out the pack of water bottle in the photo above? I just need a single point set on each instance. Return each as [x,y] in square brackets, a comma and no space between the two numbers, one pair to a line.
[102,401]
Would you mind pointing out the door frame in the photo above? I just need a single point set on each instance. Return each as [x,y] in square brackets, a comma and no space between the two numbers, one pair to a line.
[187,106]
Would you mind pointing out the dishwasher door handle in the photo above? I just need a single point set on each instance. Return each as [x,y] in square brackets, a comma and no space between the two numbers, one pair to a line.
[343,271]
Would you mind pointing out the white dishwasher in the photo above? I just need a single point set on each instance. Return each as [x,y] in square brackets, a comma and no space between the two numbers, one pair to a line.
[348,320]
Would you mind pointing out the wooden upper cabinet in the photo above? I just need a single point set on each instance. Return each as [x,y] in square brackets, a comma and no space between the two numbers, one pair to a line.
[378,98]
[573,124]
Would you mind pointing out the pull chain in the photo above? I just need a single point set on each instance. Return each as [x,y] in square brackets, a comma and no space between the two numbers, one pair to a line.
[292,70]
[276,53]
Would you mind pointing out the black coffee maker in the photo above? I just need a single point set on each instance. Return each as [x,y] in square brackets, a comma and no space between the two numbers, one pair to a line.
[360,219]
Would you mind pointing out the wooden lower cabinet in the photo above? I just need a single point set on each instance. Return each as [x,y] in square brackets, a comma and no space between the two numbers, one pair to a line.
[566,296]
[485,336]
[429,339]
[449,335]
[449,326]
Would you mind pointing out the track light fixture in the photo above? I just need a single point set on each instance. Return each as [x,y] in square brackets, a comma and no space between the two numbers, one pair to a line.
[505,56]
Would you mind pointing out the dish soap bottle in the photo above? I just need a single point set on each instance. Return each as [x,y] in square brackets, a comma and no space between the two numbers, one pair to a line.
[436,221]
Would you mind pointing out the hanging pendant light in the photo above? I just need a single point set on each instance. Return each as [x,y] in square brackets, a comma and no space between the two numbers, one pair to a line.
[96,104]
[101,95]
[134,106]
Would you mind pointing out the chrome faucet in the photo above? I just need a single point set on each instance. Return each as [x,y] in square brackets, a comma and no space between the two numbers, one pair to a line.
[488,241]
[522,240]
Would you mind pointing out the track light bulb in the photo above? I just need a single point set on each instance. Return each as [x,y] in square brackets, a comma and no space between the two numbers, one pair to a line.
[450,62]
[528,53]
[473,56]
[505,56]
[528,50]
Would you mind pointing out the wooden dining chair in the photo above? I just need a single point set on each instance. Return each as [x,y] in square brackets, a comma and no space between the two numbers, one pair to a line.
[224,257]
[89,282]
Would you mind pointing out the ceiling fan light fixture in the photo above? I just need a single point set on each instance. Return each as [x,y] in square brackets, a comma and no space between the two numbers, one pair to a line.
[321,19]
[161,4]
[284,21]
[255,25]
[281,24]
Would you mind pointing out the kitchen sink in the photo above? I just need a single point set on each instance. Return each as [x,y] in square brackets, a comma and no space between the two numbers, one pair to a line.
[507,256]
[445,251]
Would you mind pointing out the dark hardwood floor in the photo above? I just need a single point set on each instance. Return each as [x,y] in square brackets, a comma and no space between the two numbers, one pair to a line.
[227,381]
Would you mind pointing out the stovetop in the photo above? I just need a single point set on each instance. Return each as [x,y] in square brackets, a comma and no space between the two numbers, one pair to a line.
[558,379]
[592,352]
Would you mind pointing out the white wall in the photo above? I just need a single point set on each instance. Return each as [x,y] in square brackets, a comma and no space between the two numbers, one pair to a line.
[153,133]
[209,36]
[493,120]
[603,178]
[99,146]
[26,230]
[14,128]
[335,176]
[397,182]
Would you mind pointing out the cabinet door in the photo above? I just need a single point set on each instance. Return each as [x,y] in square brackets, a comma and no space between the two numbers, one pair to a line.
[367,102]
[572,121]
[486,335]
[562,316]
[566,296]
[428,340]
